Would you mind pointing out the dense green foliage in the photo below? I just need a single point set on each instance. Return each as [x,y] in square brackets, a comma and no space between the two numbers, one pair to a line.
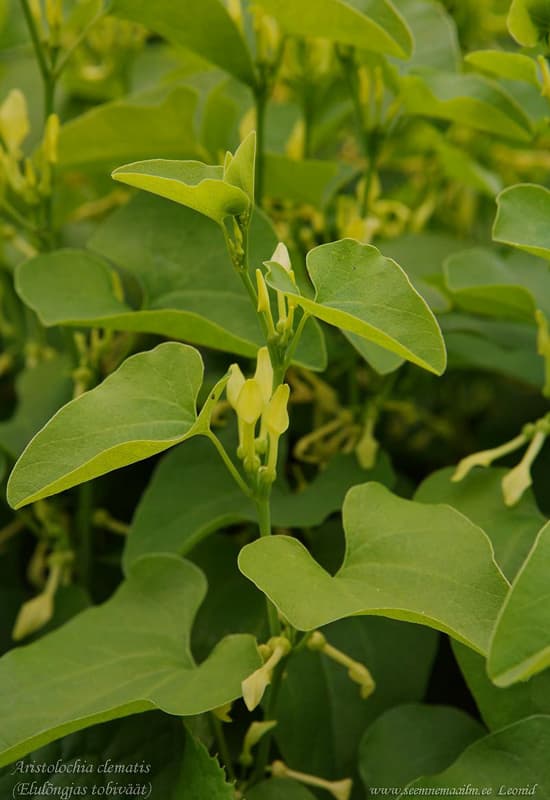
[301,246]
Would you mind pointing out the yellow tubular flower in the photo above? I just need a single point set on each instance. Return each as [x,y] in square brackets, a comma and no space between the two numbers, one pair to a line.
[276,415]
[250,402]
[14,120]
[264,374]
[234,384]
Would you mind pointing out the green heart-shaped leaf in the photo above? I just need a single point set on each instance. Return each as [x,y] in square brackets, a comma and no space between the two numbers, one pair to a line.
[216,192]
[364,293]
[499,707]
[190,183]
[178,281]
[374,25]
[513,758]
[405,560]
[203,26]
[428,739]
[40,390]
[160,123]
[522,218]
[145,407]
[520,646]
[467,99]
[176,762]
[502,64]
[131,654]
[483,282]
[529,21]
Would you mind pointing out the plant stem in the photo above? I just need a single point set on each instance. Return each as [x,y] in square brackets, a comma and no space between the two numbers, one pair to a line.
[84,531]
[229,463]
[260,99]
[223,749]
[366,133]
[37,44]
[263,505]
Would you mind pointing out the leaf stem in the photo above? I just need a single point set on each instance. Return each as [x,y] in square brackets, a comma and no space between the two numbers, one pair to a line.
[232,469]
[295,341]
[263,505]
[260,100]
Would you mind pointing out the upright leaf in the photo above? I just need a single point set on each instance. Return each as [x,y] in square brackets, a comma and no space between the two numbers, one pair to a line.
[367,24]
[483,282]
[203,26]
[146,406]
[467,99]
[190,183]
[40,391]
[522,218]
[520,646]
[405,560]
[133,653]
[363,293]
[435,36]
[160,123]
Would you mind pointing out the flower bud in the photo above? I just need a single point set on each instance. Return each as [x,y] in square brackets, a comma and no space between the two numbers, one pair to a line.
[51,136]
[254,686]
[234,384]
[14,120]
[250,402]
[263,295]
[264,374]
[281,256]
[33,615]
